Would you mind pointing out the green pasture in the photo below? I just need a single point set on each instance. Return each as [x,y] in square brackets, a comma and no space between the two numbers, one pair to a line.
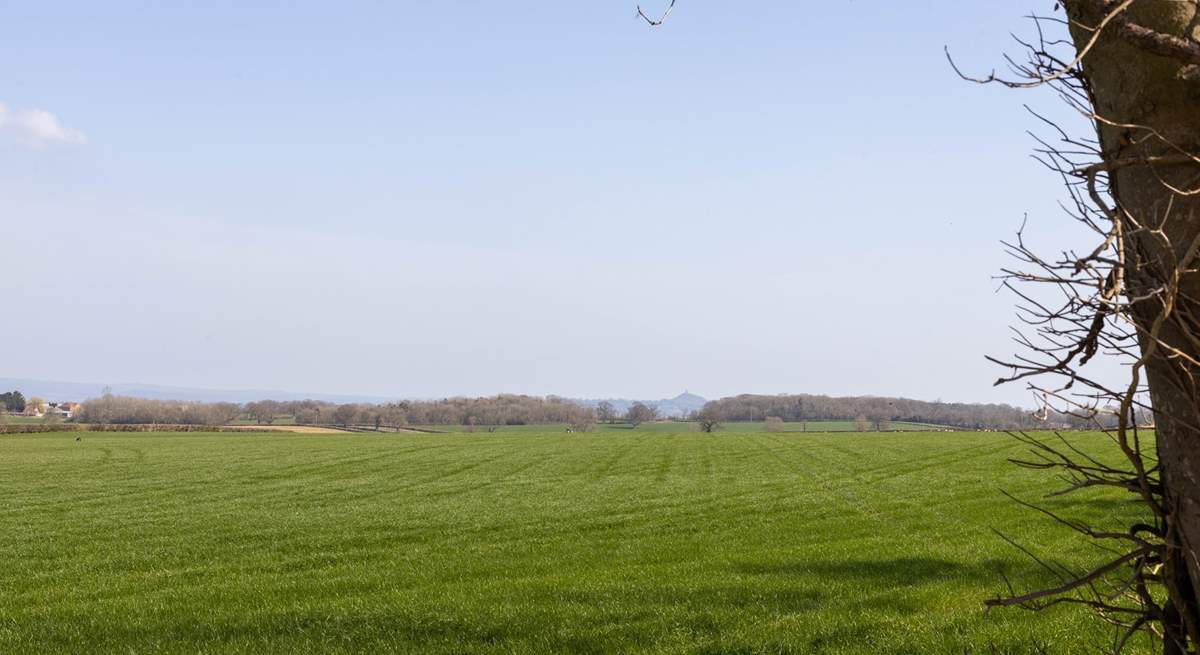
[21,420]
[607,542]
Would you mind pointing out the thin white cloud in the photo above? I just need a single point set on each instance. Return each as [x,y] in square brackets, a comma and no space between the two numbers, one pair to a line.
[37,127]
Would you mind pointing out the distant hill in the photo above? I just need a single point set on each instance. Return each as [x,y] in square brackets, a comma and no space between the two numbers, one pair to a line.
[679,406]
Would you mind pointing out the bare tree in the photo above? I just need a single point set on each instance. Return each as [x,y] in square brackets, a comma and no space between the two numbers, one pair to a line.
[640,413]
[307,416]
[262,411]
[1131,68]
[584,420]
[709,418]
[605,412]
[395,415]
[345,415]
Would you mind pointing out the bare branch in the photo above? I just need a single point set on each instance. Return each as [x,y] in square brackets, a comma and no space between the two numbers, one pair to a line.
[653,22]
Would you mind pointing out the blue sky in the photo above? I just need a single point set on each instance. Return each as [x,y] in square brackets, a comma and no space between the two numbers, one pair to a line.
[423,199]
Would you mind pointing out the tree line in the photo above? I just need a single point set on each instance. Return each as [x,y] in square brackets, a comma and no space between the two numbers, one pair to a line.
[126,410]
[873,412]
[488,412]
[492,412]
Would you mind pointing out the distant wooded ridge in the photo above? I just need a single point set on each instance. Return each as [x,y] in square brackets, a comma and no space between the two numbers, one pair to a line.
[514,409]
[877,410]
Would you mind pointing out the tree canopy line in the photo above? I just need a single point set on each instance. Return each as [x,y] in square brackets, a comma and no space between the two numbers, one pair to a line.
[878,412]
[511,409]
[110,409]
[494,411]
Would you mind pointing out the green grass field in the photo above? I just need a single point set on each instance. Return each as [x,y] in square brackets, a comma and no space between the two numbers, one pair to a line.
[631,542]
[822,426]
[685,426]
[23,420]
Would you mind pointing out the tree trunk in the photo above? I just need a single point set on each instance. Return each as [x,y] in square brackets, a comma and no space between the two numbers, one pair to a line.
[1133,86]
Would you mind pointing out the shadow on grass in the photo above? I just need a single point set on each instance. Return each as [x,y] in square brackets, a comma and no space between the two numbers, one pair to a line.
[730,597]
[893,572]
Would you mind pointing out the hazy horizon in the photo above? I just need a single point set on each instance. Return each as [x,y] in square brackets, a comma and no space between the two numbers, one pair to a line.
[434,200]
[74,391]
